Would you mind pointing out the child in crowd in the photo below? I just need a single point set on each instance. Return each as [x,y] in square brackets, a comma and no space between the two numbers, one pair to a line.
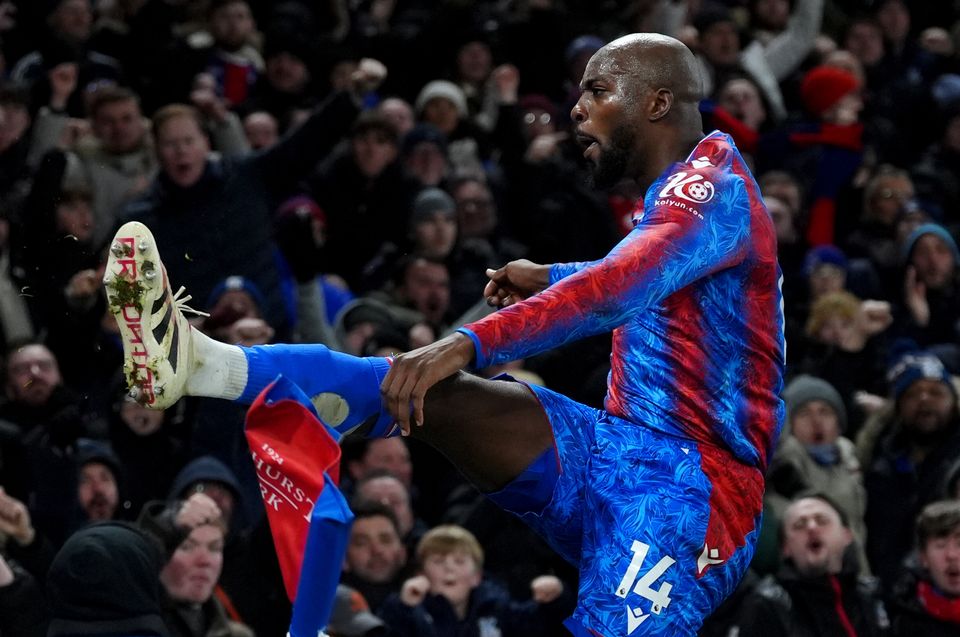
[450,597]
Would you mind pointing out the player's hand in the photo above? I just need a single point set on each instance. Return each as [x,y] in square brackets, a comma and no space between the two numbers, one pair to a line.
[546,588]
[415,590]
[413,373]
[515,281]
[15,519]
[197,510]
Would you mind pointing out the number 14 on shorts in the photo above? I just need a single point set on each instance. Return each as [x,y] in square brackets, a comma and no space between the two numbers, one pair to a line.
[659,599]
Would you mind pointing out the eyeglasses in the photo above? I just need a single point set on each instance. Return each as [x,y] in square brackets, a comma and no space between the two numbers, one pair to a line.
[530,118]
[890,193]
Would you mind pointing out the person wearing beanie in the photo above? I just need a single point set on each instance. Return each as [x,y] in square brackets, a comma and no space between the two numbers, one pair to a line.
[236,312]
[831,94]
[99,482]
[826,269]
[442,104]
[208,475]
[433,223]
[814,455]
[424,153]
[930,305]
[914,444]
[105,581]
[825,149]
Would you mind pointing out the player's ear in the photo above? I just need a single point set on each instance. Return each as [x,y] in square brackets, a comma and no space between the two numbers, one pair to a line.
[660,103]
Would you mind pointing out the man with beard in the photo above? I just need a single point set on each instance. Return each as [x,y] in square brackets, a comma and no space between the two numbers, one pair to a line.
[920,441]
[37,442]
[656,498]
[817,591]
[98,482]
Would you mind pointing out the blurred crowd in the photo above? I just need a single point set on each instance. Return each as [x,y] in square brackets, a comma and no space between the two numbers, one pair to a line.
[345,172]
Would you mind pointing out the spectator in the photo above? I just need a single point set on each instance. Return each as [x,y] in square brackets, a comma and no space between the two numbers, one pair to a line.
[817,590]
[930,305]
[49,418]
[826,149]
[906,453]
[286,87]
[193,534]
[385,488]
[450,596]
[424,155]
[376,555]
[261,129]
[925,599]
[399,113]
[365,195]
[114,164]
[21,601]
[884,198]
[99,483]
[361,457]
[66,41]
[844,346]
[104,581]
[195,192]
[232,61]
[813,455]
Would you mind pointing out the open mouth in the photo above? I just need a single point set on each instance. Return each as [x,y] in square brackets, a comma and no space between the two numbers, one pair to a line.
[590,145]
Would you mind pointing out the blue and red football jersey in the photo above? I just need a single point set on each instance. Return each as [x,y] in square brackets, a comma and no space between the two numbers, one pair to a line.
[692,295]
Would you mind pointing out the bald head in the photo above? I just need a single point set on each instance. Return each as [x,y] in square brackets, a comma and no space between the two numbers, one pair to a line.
[656,61]
[638,109]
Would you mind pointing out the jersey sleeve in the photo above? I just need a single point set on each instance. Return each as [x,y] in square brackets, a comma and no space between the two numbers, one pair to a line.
[563,270]
[696,222]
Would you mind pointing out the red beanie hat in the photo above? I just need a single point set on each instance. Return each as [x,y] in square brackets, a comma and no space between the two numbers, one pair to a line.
[824,86]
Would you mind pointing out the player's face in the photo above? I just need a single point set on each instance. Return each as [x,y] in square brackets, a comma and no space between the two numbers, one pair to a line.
[602,125]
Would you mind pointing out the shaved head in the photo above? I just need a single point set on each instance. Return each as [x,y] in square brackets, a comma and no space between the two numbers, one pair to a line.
[656,61]
[639,108]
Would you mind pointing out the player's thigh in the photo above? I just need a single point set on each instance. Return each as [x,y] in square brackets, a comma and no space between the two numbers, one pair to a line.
[550,495]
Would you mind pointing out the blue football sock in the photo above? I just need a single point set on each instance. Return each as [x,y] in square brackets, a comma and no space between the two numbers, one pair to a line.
[345,389]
